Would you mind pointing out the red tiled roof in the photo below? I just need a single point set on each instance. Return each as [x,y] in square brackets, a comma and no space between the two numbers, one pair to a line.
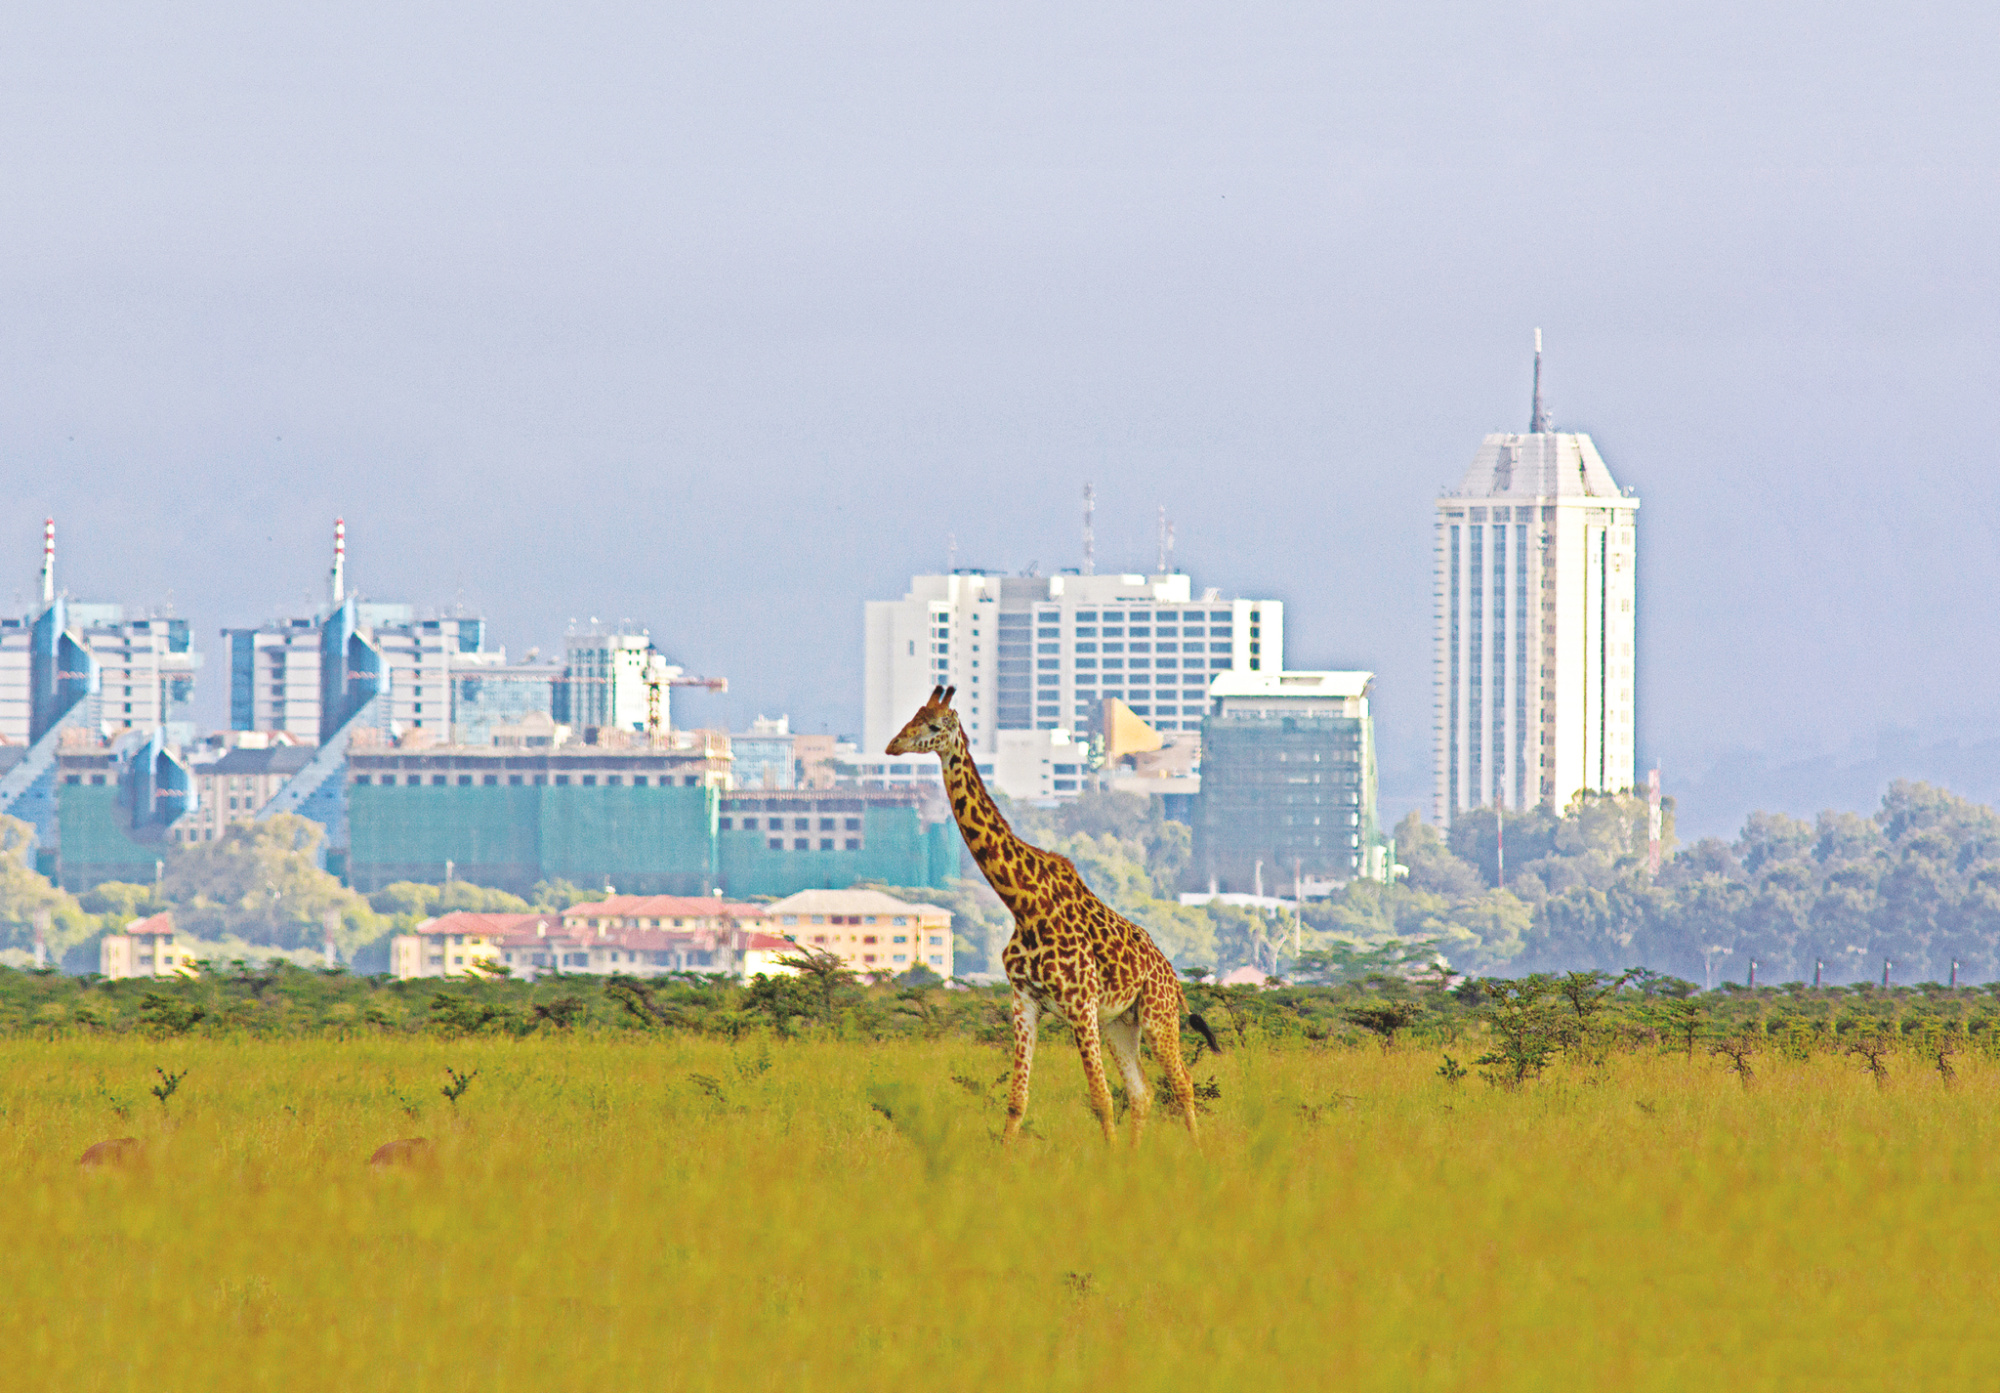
[162,923]
[652,907]
[769,943]
[464,921]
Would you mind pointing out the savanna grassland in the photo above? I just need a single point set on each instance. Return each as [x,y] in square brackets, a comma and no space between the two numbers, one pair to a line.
[825,1206]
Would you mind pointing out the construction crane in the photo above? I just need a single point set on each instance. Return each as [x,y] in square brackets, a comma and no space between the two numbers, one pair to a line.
[658,677]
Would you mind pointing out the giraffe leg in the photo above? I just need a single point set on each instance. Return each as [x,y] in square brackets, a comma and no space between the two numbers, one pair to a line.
[1162,1021]
[1027,1018]
[1121,1037]
[1090,1045]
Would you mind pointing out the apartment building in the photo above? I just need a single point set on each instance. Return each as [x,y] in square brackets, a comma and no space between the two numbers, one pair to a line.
[636,936]
[232,788]
[868,930]
[613,677]
[144,948]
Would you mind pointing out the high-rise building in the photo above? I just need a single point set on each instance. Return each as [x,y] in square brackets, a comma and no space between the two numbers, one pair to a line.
[1535,593]
[80,669]
[1288,784]
[282,677]
[613,679]
[1043,653]
[130,673]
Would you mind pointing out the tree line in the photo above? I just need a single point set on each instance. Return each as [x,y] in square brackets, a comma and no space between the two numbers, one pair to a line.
[1915,885]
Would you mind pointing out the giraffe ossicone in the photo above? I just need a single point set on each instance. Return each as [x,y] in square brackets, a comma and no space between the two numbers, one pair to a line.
[1071,955]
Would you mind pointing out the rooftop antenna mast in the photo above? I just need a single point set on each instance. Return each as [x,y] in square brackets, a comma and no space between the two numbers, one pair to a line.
[1089,531]
[1538,421]
[1166,540]
[48,560]
[339,560]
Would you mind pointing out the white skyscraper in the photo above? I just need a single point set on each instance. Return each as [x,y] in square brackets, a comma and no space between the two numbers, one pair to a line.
[1535,592]
[1035,657]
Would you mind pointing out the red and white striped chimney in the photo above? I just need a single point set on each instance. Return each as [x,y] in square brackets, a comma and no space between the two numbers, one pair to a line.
[339,560]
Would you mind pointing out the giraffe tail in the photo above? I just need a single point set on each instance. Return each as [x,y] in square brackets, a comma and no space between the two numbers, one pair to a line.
[1200,1028]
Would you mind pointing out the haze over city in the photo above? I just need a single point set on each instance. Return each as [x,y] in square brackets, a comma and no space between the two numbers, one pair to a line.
[728,323]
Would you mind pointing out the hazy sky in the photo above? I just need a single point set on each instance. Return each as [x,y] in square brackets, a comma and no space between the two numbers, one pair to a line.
[724,318]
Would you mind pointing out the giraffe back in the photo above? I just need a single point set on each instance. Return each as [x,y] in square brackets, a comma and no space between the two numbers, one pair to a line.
[1064,935]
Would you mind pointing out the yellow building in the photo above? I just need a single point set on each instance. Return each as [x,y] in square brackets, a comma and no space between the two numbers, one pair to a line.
[868,930]
[145,949]
[452,945]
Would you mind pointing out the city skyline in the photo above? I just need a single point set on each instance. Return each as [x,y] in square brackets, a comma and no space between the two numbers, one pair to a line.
[826,297]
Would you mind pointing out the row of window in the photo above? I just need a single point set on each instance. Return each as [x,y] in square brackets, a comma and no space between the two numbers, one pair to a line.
[535,780]
[1217,664]
[869,940]
[806,844]
[798,824]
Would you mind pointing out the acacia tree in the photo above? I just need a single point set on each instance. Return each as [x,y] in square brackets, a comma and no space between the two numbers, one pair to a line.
[261,881]
[24,895]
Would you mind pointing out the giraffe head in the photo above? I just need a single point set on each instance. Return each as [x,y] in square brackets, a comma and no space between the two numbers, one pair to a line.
[934,729]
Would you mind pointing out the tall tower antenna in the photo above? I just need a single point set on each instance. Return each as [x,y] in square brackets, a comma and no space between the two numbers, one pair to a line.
[48,560]
[339,560]
[1089,531]
[1166,539]
[1538,420]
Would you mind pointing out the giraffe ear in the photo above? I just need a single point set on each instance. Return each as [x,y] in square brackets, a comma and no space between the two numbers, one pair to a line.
[947,695]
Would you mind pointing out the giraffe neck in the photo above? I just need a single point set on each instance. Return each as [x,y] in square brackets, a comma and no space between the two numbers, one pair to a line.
[987,835]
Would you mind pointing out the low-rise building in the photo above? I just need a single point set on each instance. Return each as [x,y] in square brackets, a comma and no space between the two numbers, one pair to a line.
[145,948]
[618,937]
[626,913]
[868,930]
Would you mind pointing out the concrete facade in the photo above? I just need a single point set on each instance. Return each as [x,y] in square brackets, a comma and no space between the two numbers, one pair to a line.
[868,930]
[1044,653]
[145,948]
[276,669]
[1534,667]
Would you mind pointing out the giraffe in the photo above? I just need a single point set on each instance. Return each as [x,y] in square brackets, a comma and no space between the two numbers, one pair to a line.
[1071,955]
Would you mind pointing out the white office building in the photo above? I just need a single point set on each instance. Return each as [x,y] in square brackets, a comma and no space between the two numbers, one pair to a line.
[614,678]
[275,670]
[1035,657]
[146,669]
[1535,593]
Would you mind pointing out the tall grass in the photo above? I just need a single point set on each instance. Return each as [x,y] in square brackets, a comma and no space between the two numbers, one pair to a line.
[688,1214]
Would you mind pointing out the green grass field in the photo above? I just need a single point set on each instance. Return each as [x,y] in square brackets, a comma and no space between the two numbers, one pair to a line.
[687,1213]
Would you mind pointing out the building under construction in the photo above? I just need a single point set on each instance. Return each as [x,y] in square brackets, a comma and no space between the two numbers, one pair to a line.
[645,821]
